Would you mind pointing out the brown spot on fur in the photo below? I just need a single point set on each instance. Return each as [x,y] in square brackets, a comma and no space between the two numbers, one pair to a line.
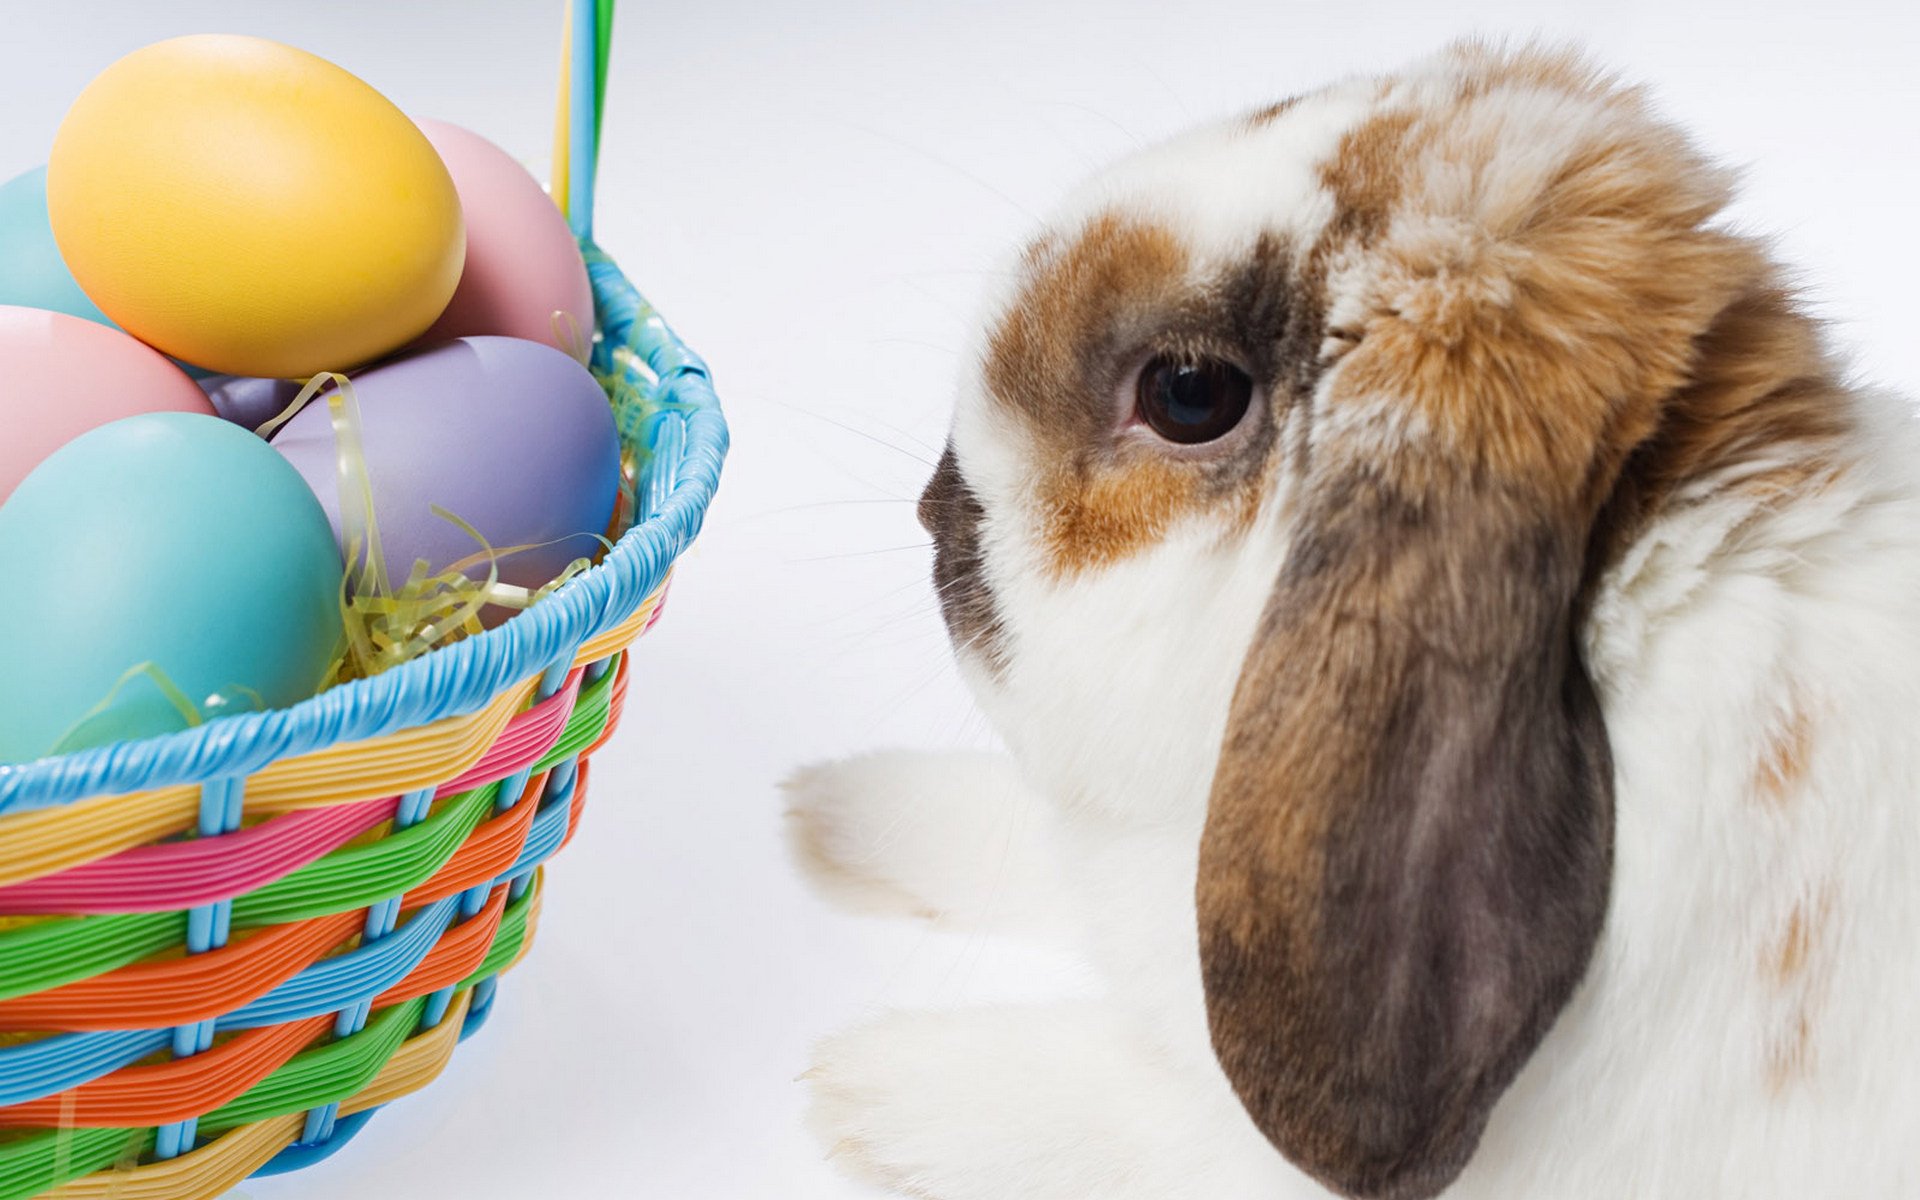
[1796,965]
[1051,360]
[1790,1057]
[1075,297]
[1271,113]
[1367,174]
[1789,957]
[1105,518]
[1783,763]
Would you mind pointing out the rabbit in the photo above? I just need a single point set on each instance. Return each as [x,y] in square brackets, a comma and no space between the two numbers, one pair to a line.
[1455,629]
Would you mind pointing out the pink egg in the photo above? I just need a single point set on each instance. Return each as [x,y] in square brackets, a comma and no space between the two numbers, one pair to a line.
[61,376]
[523,265]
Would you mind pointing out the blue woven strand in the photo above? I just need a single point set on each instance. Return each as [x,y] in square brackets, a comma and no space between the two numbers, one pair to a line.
[583,128]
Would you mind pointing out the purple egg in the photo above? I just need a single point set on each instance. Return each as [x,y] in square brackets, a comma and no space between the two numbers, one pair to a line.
[513,437]
[246,401]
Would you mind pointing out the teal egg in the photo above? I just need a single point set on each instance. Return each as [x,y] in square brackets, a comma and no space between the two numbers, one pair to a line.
[32,273]
[170,539]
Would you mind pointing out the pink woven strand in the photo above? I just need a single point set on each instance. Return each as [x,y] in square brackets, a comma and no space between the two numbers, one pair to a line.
[525,739]
[198,871]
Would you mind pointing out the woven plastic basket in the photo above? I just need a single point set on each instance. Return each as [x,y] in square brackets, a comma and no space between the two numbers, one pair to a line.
[222,950]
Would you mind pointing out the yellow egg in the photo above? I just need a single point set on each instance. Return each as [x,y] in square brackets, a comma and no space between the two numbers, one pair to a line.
[253,209]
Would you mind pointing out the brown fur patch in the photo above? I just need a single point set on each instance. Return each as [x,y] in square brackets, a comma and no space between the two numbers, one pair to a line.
[1044,349]
[1271,113]
[1790,1057]
[1796,965]
[1783,763]
[1789,957]
[1107,517]
[1535,324]
[1367,175]
[1048,358]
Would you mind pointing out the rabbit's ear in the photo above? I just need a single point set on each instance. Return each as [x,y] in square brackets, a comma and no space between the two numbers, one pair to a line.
[1408,848]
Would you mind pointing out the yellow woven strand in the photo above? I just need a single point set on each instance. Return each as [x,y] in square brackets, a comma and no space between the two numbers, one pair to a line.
[557,187]
[620,636]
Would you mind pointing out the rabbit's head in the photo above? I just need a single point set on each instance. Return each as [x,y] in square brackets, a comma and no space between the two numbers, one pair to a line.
[1294,450]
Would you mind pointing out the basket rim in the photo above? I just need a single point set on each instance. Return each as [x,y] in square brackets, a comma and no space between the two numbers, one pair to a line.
[464,677]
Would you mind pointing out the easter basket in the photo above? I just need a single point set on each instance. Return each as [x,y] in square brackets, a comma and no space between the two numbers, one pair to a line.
[222,950]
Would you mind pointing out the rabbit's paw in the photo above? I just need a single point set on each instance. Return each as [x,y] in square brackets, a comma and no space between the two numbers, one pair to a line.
[956,838]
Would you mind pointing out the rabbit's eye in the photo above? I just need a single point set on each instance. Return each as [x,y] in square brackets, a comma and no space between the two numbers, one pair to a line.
[1192,401]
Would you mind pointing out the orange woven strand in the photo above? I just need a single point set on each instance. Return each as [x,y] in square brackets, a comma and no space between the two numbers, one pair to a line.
[181,991]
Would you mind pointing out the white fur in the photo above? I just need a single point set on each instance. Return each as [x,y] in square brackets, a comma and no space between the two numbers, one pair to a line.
[1661,1079]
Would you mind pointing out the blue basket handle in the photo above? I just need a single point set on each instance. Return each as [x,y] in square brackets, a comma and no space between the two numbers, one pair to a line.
[583,97]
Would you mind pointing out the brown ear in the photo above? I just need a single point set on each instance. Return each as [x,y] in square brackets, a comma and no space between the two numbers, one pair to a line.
[1408,848]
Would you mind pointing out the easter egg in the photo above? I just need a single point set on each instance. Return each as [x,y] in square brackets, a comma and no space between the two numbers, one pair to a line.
[170,539]
[249,402]
[511,436]
[32,273]
[524,276]
[253,209]
[61,376]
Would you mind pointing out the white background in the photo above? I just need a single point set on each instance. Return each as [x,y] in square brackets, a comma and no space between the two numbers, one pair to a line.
[813,193]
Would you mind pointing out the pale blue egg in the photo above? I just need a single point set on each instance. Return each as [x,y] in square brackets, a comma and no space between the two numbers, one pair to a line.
[170,539]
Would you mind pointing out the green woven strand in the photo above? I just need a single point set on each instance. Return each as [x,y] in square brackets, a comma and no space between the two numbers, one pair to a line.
[591,712]
[322,1075]
[603,46]
[356,876]
[42,1161]
[36,957]
[506,941]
